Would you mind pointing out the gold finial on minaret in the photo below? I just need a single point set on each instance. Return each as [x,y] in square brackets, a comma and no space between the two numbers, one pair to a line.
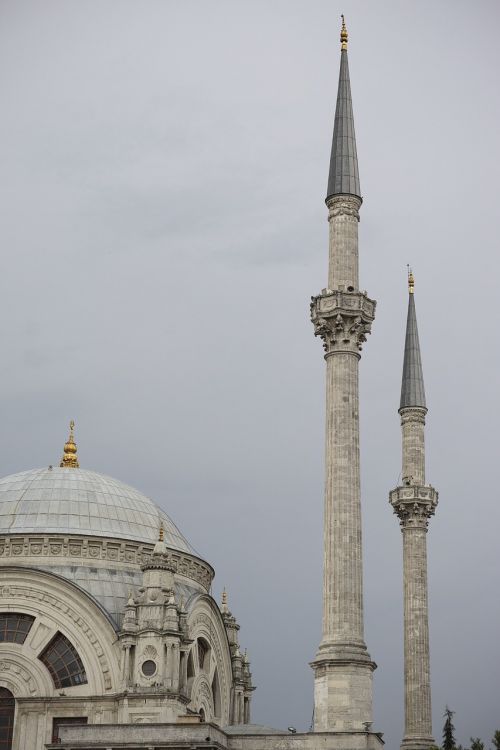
[161,533]
[411,281]
[343,35]
[224,601]
[70,457]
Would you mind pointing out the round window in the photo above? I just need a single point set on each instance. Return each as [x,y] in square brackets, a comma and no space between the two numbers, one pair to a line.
[148,668]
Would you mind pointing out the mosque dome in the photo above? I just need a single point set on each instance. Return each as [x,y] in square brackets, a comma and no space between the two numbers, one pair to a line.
[77,501]
[93,530]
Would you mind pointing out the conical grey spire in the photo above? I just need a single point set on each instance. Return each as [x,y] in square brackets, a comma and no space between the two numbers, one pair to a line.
[412,386]
[344,176]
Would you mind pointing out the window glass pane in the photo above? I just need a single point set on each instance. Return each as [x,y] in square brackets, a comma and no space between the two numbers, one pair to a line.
[63,662]
[7,709]
[14,627]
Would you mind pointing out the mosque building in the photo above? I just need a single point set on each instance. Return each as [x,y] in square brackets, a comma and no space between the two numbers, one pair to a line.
[105,611]
[109,635]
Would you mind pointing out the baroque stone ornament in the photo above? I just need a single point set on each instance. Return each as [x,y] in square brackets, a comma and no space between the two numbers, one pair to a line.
[118,551]
[414,505]
[413,414]
[342,319]
[347,205]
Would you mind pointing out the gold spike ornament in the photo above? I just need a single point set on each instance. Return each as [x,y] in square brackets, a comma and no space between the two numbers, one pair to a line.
[70,457]
[343,35]
[411,282]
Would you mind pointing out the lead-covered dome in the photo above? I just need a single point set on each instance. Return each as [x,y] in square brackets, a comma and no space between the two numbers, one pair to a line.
[77,501]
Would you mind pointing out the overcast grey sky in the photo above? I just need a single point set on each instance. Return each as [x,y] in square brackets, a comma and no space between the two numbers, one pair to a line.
[163,168]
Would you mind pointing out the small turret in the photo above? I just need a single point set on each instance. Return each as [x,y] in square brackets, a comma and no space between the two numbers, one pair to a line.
[230,624]
[130,615]
[171,621]
[160,548]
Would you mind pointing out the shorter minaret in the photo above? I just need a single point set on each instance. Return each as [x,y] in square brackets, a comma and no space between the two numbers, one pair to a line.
[414,503]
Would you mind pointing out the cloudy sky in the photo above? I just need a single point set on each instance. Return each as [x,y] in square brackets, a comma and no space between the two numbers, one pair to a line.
[163,168]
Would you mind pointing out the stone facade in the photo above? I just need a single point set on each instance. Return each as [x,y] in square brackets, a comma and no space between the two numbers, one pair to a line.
[171,658]
[208,736]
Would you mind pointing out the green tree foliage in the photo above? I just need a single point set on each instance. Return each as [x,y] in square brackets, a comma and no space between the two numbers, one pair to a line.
[496,739]
[448,730]
[476,744]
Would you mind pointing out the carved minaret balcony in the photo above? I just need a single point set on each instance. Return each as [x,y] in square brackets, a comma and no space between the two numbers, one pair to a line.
[342,316]
[342,320]
[414,503]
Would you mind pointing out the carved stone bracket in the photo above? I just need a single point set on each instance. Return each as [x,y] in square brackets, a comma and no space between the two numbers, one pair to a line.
[342,320]
[414,505]
[343,204]
[413,414]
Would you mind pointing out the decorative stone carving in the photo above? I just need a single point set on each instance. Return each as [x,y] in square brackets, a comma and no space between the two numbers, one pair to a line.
[201,696]
[413,414]
[19,671]
[102,549]
[414,505]
[343,204]
[342,320]
[149,653]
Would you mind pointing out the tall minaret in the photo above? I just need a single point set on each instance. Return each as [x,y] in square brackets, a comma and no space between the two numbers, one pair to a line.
[414,503]
[342,315]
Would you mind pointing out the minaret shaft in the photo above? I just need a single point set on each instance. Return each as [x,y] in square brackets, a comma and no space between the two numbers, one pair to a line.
[343,578]
[343,263]
[414,503]
[418,721]
[412,427]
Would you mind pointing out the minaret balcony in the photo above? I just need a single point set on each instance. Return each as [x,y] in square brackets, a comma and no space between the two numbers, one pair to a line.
[342,319]
[414,504]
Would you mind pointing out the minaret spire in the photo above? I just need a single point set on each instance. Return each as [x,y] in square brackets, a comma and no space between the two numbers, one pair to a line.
[412,385]
[342,317]
[414,503]
[343,178]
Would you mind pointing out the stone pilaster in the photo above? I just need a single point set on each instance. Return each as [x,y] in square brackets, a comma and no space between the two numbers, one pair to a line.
[342,317]
[414,503]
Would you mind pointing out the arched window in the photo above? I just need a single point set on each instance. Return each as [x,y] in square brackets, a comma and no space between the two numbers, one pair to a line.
[190,666]
[7,711]
[14,627]
[216,694]
[203,650]
[62,660]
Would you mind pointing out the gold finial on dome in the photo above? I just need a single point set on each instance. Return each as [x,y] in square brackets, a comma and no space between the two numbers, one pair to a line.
[411,281]
[70,457]
[343,35]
